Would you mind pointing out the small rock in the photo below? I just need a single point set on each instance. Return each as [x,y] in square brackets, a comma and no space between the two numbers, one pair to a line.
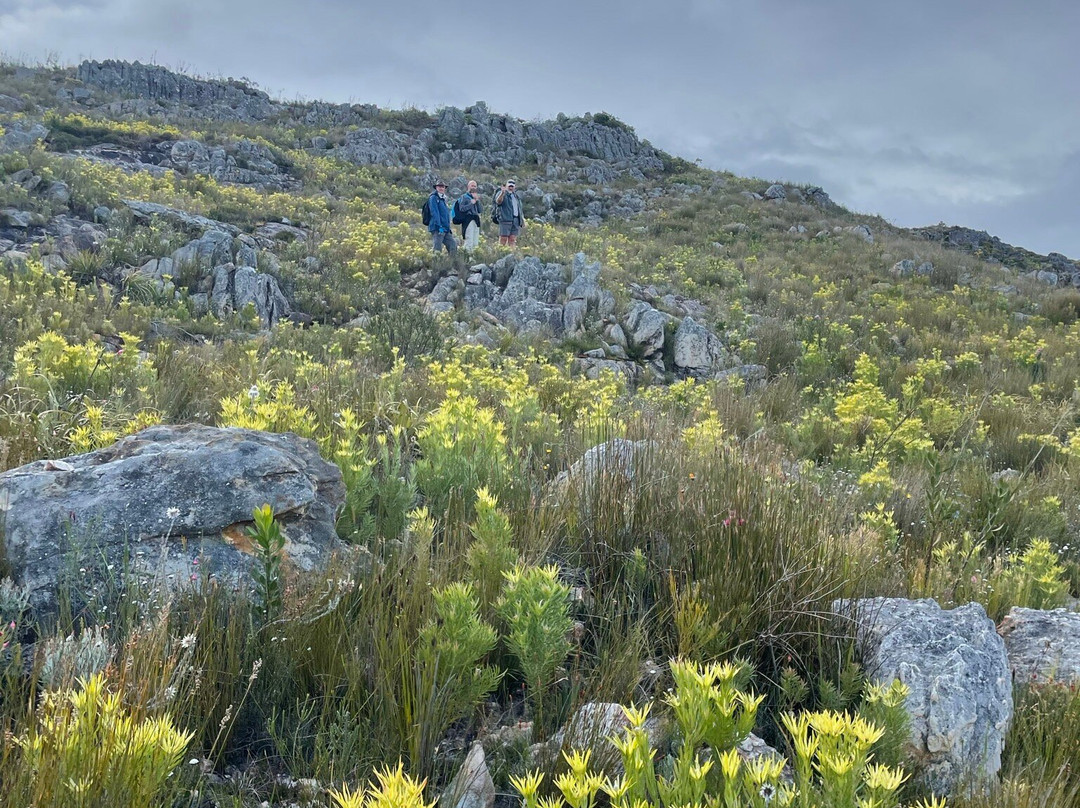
[472,786]
[1043,645]
[58,193]
[12,217]
[863,232]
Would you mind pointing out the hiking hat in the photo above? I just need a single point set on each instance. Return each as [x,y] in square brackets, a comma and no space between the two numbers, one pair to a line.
[511,182]
[438,184]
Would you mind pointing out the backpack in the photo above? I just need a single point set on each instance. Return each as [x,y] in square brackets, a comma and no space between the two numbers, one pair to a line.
[455,214]
[425,212]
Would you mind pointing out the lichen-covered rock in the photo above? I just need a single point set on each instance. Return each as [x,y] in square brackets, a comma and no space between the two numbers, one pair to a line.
[698,351]
[472,786]
[645,328]
[167,498]
[617,456]
[954,664]
[1042,645]
[146,210]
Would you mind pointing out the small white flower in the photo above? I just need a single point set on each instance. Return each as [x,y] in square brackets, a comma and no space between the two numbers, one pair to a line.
[253,392]
[188,641]
[172,513]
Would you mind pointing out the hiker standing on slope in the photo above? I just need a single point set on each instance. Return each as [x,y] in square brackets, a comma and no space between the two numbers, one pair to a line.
[439,223]
[468,210]
[511,218]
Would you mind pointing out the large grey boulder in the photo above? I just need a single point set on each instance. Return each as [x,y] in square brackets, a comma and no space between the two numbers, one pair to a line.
[593,368]
[583,295]
[617,456]
[261,291]
[954,664]
[1043,645]
[862,231]
[166,500]
[234,288]
[21,135]
[698,351]
[212,248]
[13,217]
[530,301]
[645,328]
[71,235]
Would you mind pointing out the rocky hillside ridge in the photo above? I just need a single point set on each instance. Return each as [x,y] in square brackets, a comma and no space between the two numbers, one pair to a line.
[470,138]
[602,148]
[1054,269]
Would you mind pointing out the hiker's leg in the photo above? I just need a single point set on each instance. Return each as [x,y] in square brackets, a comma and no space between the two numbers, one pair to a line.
[451,245]
[436,243]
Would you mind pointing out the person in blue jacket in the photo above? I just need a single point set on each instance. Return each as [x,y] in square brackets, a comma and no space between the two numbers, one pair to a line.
[439,226]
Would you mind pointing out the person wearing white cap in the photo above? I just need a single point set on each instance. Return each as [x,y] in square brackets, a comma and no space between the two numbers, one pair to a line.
[511,218]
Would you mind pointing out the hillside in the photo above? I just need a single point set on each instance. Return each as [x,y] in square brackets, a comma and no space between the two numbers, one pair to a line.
[691,416]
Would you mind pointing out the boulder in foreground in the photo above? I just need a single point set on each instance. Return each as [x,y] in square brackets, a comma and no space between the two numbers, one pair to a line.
[161,502]
[954,664]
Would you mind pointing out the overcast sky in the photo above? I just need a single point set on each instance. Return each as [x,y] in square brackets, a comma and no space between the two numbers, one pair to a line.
[963,111]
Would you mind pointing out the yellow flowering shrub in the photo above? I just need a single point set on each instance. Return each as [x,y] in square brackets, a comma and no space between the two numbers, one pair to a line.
[463,448]
[269,408]
[57,371]
[86,748]
[373,249]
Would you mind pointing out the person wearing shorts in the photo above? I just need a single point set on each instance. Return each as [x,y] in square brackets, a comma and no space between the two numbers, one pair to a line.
[511,218]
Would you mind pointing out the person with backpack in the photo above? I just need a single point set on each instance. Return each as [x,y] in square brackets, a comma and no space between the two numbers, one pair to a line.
[436,215]
[508,213]
[467,213]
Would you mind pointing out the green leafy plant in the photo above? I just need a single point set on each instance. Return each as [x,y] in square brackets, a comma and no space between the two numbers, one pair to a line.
[269,547]
[491,553]
[1036,580]
[536,610]
[452,646]
[463,448]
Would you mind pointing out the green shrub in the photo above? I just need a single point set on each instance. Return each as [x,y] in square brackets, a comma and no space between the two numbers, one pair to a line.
[536,610]
[491,554]
[452,647]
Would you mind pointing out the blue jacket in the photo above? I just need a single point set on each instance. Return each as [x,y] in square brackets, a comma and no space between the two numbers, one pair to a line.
[440,214]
